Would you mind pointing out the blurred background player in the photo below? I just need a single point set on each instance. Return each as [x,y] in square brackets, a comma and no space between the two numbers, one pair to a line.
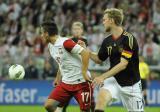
[77,31]
[122,80]
[144,73]
[73,65]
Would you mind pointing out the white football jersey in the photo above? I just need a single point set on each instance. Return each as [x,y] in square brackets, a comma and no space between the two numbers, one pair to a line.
[67,55]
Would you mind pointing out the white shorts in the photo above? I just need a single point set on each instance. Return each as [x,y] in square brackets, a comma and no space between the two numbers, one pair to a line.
[131,96]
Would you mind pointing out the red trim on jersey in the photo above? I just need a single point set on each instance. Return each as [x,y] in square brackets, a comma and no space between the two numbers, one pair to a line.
[69,45]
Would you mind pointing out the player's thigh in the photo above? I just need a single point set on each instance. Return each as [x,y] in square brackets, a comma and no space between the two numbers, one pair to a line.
[111,86]
[83,96]
[132,98]
[60,94]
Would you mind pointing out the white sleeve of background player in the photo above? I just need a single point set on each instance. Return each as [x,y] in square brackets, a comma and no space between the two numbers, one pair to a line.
[72,47]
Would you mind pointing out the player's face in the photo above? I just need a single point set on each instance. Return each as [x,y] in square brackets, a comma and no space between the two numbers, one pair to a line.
[44,35]
[107,23]
[77,31]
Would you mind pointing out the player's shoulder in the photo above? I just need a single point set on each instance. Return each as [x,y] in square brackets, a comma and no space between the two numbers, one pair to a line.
[60,41]
[63,39]
[128,35]
[69,43]
[107,39]
[129,40]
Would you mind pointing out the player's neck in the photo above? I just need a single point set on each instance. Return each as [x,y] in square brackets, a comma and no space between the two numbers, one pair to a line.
[117,31]
[77,36]
[53,39]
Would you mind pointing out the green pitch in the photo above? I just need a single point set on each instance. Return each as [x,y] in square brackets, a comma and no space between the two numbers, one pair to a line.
[70,109]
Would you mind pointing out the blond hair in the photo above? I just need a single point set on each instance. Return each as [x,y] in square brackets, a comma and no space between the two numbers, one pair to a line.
[116,15]
[77,23]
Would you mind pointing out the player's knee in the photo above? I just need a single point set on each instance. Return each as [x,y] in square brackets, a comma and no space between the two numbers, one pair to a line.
[101,99]
[100,102]
[104,98]
[49,107]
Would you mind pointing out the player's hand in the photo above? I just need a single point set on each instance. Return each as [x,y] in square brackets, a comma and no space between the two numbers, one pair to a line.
[56,82]
[81,43]
[87,78]
[98,81]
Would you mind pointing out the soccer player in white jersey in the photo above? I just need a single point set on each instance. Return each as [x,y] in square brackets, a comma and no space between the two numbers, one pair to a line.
[77,34]
[73,64]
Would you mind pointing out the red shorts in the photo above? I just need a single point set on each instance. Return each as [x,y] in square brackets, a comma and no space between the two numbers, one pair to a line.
[81,92]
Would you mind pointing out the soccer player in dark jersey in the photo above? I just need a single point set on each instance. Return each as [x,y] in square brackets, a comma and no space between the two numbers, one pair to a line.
[122,80]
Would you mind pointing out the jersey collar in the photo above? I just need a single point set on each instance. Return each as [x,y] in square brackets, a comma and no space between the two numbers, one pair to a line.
[114,38]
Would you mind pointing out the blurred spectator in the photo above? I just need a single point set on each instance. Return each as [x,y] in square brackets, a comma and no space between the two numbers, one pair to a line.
[144,73]
[39,64]
[6,62]
[38,46]
[20,19]
[31,72]
[156,12]
[48,71]
[151,50]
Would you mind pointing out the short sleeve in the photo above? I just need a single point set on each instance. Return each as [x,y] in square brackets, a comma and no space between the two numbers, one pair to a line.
[129,45]
[72,47]
[102,54]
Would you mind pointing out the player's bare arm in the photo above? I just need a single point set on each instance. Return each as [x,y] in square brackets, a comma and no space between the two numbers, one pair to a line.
[93,55]
[85,54]
[116,69]
[82,44]
[95,58]
[58,78]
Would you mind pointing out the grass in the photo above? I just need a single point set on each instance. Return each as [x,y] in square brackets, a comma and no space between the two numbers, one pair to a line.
[69,109]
